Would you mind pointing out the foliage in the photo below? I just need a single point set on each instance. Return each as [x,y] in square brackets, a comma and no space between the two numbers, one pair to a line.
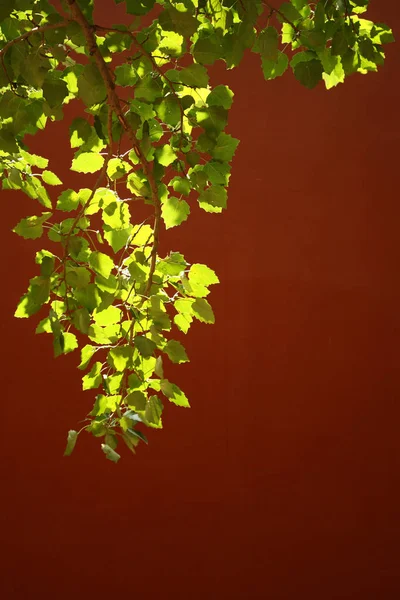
[152,131]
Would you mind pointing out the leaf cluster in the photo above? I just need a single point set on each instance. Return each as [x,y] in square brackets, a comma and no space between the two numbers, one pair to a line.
[152,130]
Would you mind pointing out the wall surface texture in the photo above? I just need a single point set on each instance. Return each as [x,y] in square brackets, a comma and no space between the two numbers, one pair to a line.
[283,480]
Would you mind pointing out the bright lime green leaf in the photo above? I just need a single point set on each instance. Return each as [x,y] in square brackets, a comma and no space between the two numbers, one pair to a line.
[86,354]
[71,442]
[183,321]
[121,357]
[181,185]
[202,275]
[101,263]
[108,316]
[176,352]
[33,300]
[172,44]
[220,96]
[51,178]
[105,404]
[93,378]
[174,212]
[32,227]
[117,238]
[64,343]
[174,394]
[87,162]
[117,168]
[165,155]
[44,326]
[116,215]
[68,200]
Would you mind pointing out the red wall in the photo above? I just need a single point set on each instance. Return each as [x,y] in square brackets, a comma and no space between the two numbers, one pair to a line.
[282,481]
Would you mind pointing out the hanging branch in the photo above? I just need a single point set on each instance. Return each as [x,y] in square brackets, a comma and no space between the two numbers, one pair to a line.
[107,291]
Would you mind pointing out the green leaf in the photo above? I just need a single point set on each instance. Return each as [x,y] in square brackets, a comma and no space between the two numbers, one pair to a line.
[139,7]
[267,44]
[110,453]
[144,345]
[194,76]
[148,88]
[64,343]
[68,200]
[174,212]
[33,300]
[175,352]
[174,394]
[274,68]
[203,311]
[86,354]
[202,275]
[91,85]
[108,316]
[71,442]
[87,162]
[225,147]
[309,73]
[136,400]
[183,322]
[213,199]
[152,413]
[181,185]
[55,91]
[207,50]
[117,238]
[101,263]
[220,96]
[165,155]
[120,358]
[93,379]
[159,371]
[126,75]
[51,178]
[169,110]
[218,173]
[32,227]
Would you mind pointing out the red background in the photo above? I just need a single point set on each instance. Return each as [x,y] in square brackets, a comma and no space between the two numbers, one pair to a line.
[282,481]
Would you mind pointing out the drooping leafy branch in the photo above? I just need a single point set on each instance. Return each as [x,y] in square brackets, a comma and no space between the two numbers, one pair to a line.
[152,130]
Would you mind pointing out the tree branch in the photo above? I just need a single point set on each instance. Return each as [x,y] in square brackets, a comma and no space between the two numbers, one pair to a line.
[115,105]
[27,34]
